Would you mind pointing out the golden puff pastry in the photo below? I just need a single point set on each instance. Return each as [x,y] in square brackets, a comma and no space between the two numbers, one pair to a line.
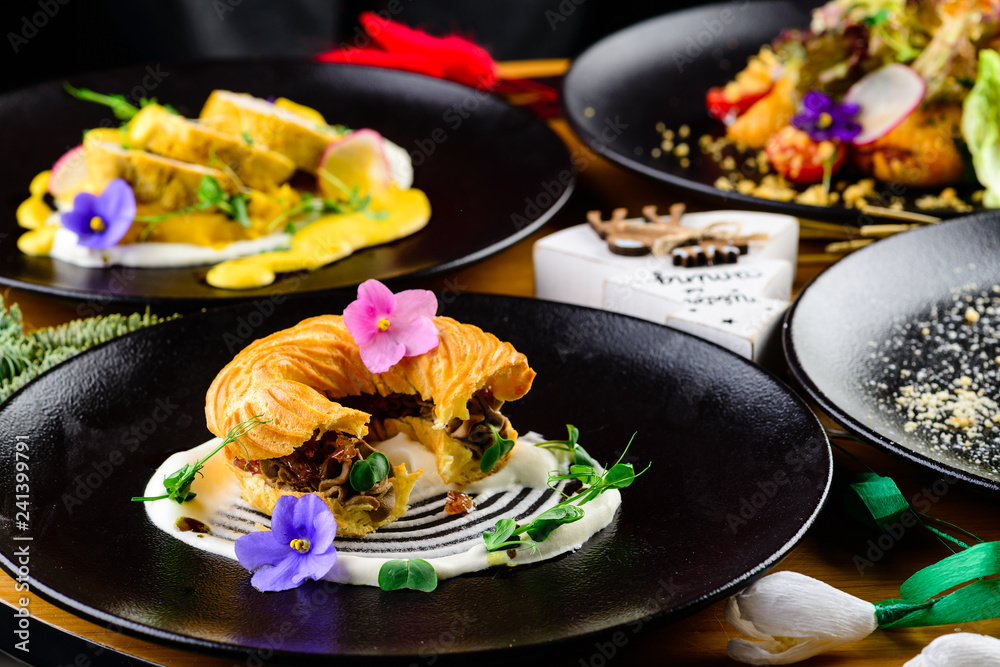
[357,514]
[310,382]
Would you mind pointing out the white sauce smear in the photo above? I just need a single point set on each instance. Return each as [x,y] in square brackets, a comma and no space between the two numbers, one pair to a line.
[452,544]
[159,255]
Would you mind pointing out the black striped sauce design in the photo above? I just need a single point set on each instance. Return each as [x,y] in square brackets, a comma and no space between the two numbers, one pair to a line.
[425,531]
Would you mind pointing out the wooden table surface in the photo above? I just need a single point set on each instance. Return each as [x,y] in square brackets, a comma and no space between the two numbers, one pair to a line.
[828,552]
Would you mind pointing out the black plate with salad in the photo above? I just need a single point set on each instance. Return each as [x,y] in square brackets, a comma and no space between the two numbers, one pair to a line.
[705,99]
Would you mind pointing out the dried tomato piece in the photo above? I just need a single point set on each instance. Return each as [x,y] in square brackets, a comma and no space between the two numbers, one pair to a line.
[458,503]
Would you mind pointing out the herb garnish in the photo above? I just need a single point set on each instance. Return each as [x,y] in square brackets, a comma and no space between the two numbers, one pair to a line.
[368,472]
[356,202]
[507,534]
[880,17]
[309,203]
[496,451]
[178,484]
[210,194]
[580,455]
[120,107]
[880,24]
[416,574]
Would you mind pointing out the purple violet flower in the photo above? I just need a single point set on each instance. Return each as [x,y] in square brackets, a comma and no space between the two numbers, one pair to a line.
[825,120]
[100,221]
[299,545]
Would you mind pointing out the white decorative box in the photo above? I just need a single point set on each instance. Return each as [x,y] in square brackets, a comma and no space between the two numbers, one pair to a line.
[738,306]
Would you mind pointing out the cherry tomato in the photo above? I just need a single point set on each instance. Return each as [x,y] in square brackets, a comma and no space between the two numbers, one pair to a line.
[726,106]
[800,159]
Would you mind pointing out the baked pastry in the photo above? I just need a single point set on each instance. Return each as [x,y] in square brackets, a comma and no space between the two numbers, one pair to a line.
[323,404]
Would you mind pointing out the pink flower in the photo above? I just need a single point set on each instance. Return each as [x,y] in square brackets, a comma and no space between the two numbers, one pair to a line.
[388,327]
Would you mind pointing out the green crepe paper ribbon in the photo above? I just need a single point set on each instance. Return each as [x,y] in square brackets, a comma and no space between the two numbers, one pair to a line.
[877,499]
[877,502]
[976,601]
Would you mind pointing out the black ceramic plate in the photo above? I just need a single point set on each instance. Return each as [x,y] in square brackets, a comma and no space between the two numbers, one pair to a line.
[493,173]
[740,467]
[851,335]
[658,71]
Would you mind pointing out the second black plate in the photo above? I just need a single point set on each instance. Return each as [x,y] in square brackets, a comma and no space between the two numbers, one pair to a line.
[658,71]
[891,322]
[493,173]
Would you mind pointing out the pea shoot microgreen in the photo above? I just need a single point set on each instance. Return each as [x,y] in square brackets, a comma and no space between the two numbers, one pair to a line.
[496,451]
[416,574]
[506,534]
[239,210]
[308,204]
[178,484]
[121,108]
[356,202]
[303,213]
[580,455]
[210,194]
[368,472]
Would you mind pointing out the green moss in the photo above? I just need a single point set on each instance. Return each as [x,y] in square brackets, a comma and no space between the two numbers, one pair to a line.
[23,356]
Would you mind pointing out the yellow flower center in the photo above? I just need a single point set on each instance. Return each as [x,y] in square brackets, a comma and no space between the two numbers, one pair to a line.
[97,224]
[825,120]
[302,546]
[383,324]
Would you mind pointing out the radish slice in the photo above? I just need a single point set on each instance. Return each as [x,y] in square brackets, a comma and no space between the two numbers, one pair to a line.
[886,97]
[357,160]
[69,173]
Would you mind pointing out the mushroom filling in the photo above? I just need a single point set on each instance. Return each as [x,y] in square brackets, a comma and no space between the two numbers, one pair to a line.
[387,407]
[474,432]
[323,465]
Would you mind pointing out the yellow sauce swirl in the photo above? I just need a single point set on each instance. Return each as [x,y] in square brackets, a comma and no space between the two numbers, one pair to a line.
[329,239]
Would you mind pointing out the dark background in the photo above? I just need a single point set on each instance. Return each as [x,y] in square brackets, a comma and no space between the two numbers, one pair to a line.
[46,39]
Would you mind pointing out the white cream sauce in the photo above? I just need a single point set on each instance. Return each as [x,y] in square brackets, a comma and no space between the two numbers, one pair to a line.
[159,255]
[528,467]
[400,164]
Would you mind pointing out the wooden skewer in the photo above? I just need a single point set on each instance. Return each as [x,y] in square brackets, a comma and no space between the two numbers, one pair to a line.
[909,216]
[820,258]
[881,231]
[813,229]
[828,228]
[848,246]
[817,234]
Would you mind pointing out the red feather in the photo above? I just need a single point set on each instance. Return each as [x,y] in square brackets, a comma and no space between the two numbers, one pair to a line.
[408,62]
[460,60]
[398,46]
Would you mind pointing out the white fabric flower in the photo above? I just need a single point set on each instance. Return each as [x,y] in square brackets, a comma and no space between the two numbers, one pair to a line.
[960,649]
[793,617]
